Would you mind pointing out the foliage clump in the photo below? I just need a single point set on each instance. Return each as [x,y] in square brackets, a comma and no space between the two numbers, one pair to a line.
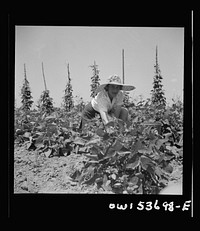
[68,97]
[132,160]
[45,103]
[26,94]
[95,80]
[158,96]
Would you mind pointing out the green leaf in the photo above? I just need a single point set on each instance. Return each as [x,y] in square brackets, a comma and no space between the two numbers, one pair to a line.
[52,128]
[85,138]
[48,152]
[174,151]
[145,162]
[160,142]
[95,149]
[106,183]
[158,171]
[79,141]
[113,176]
[39,146]
[140,189]
[100,155]
[123,152]
[110,152]
[136,146]
[124,149]
[67,142]
[106,136]
[93,157]
[168,157]
[135,119]
[37,134]
[140,175]
[76,149]
[98,180]
[41,127]
[19,132]
[30,146]
[151,135]
[144,166]
[93,161]
[180,152]
[27,134]
[64,129]
[161,158]
[110,124]
[151,170]
[117,185]
[83,149]
[50,117]
[167,135]
[121,125]
[133,180]
[93,141]
[133,165]
[117,146]
[133,132]
[168,168]
[87,175]
[145,151]
[100,132]
[168,147]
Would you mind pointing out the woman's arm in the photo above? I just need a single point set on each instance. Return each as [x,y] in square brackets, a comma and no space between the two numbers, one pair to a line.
[105,117]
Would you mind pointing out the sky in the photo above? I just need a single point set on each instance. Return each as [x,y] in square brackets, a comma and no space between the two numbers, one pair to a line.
[56,46]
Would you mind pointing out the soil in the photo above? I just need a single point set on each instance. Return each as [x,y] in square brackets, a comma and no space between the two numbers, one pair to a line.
[39,174]
[35,173]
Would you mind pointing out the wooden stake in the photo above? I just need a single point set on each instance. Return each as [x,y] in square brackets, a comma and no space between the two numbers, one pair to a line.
[123,66]
[156,55]
[68,73]
[95,68]
[25,71]
[45,86]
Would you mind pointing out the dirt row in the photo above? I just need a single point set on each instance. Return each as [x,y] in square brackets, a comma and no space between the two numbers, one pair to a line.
[35,173]
[39,174]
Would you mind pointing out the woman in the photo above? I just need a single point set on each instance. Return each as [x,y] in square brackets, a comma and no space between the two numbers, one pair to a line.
[108,102]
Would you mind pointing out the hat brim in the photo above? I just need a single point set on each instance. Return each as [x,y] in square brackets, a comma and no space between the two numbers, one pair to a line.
[125,87]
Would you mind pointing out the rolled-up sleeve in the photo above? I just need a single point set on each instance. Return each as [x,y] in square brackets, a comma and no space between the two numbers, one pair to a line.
[100,102]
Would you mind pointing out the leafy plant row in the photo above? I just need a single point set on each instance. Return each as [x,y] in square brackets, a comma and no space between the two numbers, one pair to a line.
[134,160]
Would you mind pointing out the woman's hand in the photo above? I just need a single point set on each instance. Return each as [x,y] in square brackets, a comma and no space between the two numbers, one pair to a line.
[115,111]
[110,117]
[109,127]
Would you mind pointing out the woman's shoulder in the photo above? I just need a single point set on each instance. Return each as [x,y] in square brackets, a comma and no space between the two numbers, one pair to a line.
[102,94]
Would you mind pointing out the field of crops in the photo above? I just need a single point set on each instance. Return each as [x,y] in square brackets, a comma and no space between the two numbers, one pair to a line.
[52,155]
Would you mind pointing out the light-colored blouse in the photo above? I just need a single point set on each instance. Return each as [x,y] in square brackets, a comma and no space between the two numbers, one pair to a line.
[102,101]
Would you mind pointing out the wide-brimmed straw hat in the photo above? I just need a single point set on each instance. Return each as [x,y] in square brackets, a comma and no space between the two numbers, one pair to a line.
[115,79]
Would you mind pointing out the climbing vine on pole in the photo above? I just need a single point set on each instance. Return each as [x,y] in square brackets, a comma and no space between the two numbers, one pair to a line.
[68,97]
[45,101]
[158,95]
[26,94]
[95,79]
